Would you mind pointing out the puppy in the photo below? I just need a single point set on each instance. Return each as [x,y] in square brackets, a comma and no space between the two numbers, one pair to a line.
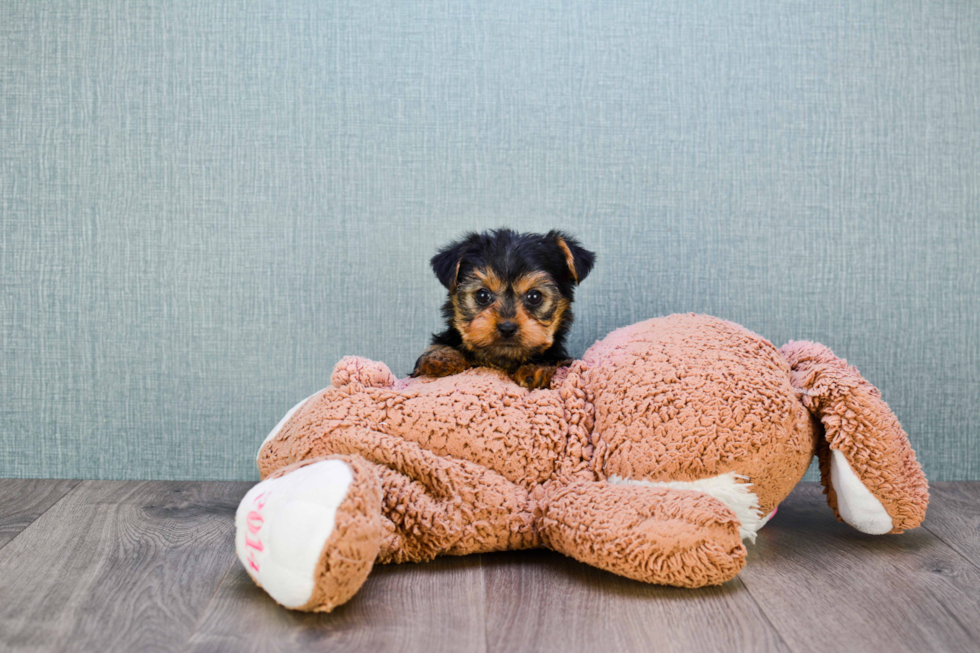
[509,304]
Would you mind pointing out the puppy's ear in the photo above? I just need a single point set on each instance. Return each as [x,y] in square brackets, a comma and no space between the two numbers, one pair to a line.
[447,261]
[579,259]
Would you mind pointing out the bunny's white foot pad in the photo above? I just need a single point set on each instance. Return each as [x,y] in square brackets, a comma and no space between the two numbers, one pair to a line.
[292,533]
[855,503]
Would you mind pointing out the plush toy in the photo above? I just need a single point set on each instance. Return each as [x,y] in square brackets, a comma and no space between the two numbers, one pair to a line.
[653,457]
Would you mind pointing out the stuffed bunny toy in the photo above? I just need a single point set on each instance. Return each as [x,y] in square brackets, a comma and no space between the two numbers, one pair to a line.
[654,456]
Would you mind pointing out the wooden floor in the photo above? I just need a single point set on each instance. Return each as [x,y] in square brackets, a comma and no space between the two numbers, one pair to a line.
[150,566]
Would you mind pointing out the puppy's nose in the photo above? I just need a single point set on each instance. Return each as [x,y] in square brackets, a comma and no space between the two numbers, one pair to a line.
[507,329]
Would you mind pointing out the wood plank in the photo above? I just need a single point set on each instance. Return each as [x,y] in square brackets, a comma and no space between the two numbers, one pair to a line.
[826,587]
[22,500]
[127,566]
[542,601]
[954,517]
[427,608]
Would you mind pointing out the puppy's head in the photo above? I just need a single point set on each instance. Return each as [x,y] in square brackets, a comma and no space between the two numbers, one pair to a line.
[510,294]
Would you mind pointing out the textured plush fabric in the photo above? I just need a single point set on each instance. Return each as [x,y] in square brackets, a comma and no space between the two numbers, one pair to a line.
[853,414]
[473,462]
[205,204]
[683,398]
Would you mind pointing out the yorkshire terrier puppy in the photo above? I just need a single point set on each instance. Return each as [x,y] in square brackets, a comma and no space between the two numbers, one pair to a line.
[509,304]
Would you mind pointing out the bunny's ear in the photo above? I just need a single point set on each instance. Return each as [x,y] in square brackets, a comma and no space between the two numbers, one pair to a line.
[447,261]
[579,259]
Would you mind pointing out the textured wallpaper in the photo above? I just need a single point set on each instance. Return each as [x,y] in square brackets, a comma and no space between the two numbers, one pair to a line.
[206,204]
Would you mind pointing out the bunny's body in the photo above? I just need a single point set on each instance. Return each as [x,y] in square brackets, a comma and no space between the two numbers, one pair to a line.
[652,457]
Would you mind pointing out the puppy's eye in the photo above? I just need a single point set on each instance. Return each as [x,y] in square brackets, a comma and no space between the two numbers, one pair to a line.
[533,297]
[483,296]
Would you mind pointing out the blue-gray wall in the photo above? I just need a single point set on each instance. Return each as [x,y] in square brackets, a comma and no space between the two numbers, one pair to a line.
[205,204]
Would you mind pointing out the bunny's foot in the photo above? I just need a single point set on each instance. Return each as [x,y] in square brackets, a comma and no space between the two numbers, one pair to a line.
[310,532]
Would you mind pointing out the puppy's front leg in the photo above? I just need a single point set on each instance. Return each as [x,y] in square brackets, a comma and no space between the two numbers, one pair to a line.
[537,375]
[440,360]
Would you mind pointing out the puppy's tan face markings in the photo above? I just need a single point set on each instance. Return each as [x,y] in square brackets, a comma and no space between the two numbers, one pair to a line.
[540,310]
[475,320]
[532,301]
[542,305]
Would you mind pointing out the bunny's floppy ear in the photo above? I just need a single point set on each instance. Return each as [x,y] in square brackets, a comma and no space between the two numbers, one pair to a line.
[579,259]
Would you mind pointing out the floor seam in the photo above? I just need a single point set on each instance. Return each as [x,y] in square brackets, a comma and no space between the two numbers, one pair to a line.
[951,546]
[207,606]
[483,584]
[45,511]
[217,588]
[764,615]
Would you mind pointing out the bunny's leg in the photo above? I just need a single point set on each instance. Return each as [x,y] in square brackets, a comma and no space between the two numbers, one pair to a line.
[310,532]
[437,505]
[652,534]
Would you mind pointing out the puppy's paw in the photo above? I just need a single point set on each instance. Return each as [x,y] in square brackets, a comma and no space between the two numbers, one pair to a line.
[438,361]
[534,376]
